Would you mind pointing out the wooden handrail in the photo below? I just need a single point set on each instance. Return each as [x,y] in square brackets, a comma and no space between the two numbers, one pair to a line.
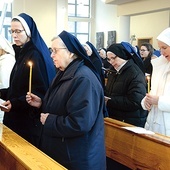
[136,151]
[18,154]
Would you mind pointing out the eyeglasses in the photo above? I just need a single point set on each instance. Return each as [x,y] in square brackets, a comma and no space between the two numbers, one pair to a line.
[111,58]
[143,50]
[15,31]
[54,51]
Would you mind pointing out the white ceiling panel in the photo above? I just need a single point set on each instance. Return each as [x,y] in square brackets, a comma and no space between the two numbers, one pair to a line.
[118,2]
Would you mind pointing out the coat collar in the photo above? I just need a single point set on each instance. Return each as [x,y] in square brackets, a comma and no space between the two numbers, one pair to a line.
[125,66]
[71,69]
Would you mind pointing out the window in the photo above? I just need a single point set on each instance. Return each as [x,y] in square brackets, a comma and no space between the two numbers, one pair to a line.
[79,8]
[5,19]
[79,19]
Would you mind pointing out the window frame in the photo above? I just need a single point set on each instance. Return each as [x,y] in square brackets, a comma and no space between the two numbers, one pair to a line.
[77,19]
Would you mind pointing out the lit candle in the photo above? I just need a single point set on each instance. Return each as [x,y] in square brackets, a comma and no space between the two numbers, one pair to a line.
[149,85]
[30,76]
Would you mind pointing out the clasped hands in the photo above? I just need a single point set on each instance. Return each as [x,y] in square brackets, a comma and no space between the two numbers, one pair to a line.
[36,101]
[150,100]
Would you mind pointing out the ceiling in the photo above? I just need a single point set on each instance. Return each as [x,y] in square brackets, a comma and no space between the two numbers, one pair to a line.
[118,2]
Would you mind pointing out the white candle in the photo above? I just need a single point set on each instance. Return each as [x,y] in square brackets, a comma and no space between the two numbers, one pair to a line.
[149,85]
[30,76]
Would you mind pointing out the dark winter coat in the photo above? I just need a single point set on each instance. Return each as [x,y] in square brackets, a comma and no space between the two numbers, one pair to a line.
[73,133]
[22,117]
[126,89]
[148,65]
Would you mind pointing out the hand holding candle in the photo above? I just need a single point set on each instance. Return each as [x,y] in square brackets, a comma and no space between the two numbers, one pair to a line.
[30,76]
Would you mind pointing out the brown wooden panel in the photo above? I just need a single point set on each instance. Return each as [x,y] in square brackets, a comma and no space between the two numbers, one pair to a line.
[137,151]
[7,161]
[18,154]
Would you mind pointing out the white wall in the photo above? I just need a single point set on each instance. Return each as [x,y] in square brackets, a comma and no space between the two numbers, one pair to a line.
[143,7]
[105,19]
[123,31]
[51,18]
[149,25]
[48,15]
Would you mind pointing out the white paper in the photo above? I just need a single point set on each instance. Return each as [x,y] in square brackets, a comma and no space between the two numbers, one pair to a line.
[1,101]
[2,106]
[139,130]
[107,97]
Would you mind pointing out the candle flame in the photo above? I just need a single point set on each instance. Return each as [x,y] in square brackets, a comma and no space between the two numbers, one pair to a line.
[30,63]
[148,77]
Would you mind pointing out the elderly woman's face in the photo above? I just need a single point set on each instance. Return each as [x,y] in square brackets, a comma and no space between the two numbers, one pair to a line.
[165,49]
[18,33]
[60,55]
[114,60]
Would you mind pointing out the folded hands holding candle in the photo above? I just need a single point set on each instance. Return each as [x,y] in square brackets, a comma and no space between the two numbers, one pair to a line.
[150,100]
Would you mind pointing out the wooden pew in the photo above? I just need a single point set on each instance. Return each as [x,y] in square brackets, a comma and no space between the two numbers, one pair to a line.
[136,151]
[18,154]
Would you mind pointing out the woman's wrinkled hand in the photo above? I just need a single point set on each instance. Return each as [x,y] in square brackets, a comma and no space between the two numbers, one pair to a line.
[33,100]
[43,117]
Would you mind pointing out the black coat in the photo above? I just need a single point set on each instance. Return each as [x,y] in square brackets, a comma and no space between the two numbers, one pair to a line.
[73,133]
[23,118]
[127,88]
[148,65]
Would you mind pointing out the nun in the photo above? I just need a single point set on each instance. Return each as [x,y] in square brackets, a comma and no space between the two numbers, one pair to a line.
[96,60]
[7,61]
[126,86]
[157,102]
[72,110]
[29,47]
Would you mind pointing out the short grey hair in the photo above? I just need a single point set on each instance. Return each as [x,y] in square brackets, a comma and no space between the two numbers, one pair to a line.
[61,41]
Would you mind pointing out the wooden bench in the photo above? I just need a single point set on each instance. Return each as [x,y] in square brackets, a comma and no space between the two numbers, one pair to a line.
[18,154]
[136,151]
